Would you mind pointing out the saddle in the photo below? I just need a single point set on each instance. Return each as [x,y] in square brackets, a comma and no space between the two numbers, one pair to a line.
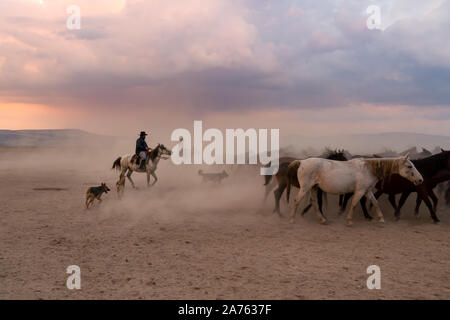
[135,159]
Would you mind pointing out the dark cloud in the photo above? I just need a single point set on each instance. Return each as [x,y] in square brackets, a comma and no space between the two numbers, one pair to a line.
[230,56]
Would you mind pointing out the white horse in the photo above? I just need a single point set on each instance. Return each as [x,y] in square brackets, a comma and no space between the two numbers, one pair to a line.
[125,164]
[358,176]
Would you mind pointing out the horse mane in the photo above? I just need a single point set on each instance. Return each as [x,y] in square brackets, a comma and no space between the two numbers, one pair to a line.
[334,154]
[154,153]
[431,165]
[383,168]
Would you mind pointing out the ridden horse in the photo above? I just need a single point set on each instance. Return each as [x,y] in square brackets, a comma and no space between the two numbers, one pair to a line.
[283,179]
[434,169]
[357,176]
[125,164]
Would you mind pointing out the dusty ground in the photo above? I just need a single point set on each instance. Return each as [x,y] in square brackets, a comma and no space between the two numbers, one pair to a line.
[182,239]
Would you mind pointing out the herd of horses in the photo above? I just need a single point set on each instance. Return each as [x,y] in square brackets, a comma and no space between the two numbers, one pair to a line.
[362,178]
[355,178]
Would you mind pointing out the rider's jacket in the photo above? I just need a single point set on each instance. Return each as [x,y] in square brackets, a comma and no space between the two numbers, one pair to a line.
[141,145]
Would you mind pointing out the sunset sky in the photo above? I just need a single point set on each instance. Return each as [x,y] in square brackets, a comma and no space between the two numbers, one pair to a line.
[306,67]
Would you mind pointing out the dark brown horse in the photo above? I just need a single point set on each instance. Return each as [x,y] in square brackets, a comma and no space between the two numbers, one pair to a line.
[434,169]
[440,177]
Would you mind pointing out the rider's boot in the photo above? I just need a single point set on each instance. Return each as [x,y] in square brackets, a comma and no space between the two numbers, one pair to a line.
[142,165]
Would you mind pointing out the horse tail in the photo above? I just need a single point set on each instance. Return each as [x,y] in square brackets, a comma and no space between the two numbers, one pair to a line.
[116,164]
[291,173]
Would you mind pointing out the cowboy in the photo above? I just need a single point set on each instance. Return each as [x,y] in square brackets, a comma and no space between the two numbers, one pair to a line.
[142,149]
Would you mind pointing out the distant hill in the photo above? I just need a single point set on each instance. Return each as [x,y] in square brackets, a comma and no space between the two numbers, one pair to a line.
[368,143]
[52,138]
[362,143]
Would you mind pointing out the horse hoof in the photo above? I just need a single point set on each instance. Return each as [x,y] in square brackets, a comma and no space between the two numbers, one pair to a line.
[291,221]
[369,218]
[324,222]
[397,218]
[437,221]
[349,224]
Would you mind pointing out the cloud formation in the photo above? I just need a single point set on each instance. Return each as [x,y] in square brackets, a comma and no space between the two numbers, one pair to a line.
[200,57]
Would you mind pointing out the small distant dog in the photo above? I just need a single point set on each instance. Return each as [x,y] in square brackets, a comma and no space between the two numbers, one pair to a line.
[213,177]
[120,187]
[95,193]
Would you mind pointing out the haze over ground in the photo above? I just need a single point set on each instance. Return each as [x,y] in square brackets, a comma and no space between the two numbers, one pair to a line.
[362,143]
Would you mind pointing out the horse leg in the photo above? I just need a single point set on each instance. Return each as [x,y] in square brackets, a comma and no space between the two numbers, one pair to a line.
[122,173]
[320,196]
[434,198]
[355,200]
[306,209]
[391,199]
[377,195]
[418,203]
[268,187]
[266,192]
[401,202]
[301,194]
[363,201]
[148,179]
[129,178]
[342,206]
[421,192]
[320,193]
[278,193]
[314,200]
[324,196]
[374,201]
[154,177]
[341,200]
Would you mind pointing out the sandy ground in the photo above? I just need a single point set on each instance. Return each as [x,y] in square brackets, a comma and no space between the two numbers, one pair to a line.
[184,240]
